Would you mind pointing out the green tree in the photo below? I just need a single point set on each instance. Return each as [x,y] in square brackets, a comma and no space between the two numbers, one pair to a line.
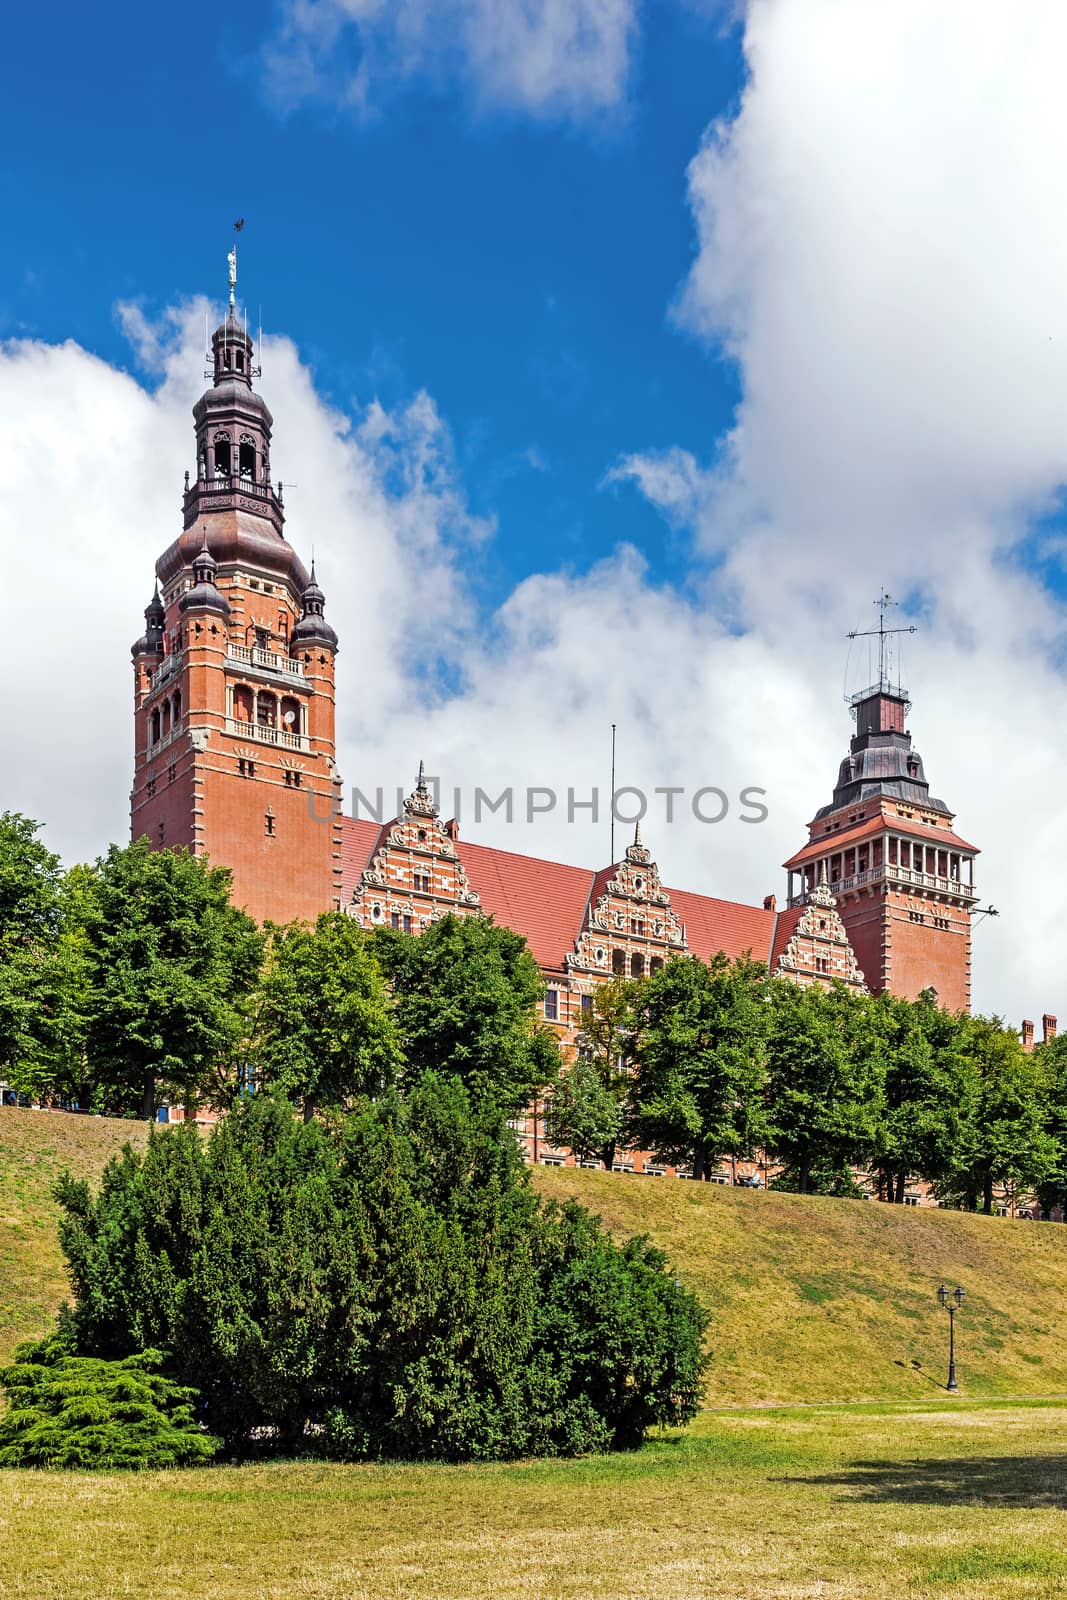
[1006,1142]
[385,1283]
[823,1086]
[584,1108]
[30,925]
[170,961]
[467,995]
[324,1029]
[1051,1063]
[240,1256]
[701,1060]
[927,1101]
[66,1410]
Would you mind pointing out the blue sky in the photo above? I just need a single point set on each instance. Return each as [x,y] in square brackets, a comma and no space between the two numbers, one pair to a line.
[522,272]
[501,247]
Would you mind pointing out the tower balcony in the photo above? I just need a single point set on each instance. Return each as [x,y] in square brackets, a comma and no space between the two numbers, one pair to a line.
[262,733]
[271,661]
[897,877]
[233,491]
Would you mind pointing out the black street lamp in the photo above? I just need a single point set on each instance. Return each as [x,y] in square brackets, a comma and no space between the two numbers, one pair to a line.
[951,1299]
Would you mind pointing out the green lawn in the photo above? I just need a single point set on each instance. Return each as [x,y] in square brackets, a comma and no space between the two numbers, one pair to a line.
[963,1499]
[810,1299]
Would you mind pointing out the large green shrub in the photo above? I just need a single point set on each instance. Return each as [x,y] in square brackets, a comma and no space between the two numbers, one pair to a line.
[66,1410]
[385,1286]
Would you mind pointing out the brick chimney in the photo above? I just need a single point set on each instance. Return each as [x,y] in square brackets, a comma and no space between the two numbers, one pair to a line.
[1048,1027]
[1028,1036]
[770,902]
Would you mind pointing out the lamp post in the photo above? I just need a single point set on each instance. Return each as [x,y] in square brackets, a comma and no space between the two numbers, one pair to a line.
[951,1299]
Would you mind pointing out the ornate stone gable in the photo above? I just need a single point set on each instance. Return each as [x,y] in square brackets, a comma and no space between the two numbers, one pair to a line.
[630,928]
[414,875]
[819,949]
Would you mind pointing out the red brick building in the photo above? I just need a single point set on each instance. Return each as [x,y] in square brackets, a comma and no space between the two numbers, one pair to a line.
[234,758]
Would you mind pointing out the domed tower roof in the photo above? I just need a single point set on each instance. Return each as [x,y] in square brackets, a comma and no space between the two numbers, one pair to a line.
[313,627]
[205,594]
[151,641]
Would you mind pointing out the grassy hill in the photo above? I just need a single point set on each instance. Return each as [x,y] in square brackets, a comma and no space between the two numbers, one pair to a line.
[810,1299]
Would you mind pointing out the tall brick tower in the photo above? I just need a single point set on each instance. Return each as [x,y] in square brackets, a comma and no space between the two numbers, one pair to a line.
[234,674]
[902,878]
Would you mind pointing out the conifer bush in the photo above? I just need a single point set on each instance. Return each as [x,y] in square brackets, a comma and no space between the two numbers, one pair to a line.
[382,1285]
[67,1410]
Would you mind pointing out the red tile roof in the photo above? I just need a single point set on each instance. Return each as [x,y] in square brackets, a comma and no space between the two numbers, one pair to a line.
[785,924]
[543,900]
[548,901]
[713,925]
[358,838]
[831,843]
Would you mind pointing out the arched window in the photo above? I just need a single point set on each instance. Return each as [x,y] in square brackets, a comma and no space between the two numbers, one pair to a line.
[242,703]
[176,702]
[267,710]
[618,963]
[291,715]
[656,964]
[155,726]
[637,965]
[239,356]
[222,455]
[246,457]
[166,717]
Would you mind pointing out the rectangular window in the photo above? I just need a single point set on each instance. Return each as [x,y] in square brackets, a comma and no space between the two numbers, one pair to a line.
[150,788]
[395,919]
[552,1005]
[587,1005]
[172,772]
[407,924]
[269,820]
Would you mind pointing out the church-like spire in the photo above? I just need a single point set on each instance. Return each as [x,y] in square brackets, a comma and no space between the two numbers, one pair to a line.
[205,595]
[312,627]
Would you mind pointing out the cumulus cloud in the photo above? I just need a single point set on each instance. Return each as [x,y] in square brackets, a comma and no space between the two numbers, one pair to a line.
[881,249]
[554,60]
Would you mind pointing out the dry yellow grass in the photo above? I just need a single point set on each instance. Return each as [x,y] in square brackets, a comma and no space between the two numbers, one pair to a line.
[820,1300]
[875,1504]
[35,1147]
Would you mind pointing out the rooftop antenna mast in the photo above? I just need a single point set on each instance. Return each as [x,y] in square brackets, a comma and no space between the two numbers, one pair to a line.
[884,684]
[612,802]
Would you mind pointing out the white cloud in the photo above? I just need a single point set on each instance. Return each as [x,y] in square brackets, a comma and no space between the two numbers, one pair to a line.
[882,248]
[554,60]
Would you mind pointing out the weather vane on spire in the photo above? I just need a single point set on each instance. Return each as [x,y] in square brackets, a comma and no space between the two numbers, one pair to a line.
[883,635]
[232,261]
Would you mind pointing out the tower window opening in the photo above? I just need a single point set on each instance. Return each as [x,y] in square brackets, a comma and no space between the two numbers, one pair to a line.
[177,704]
[239,358]
[155,726]
[267,711]
[242,703]
[246,459]
[269,820]
[222,457]
[166,716]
